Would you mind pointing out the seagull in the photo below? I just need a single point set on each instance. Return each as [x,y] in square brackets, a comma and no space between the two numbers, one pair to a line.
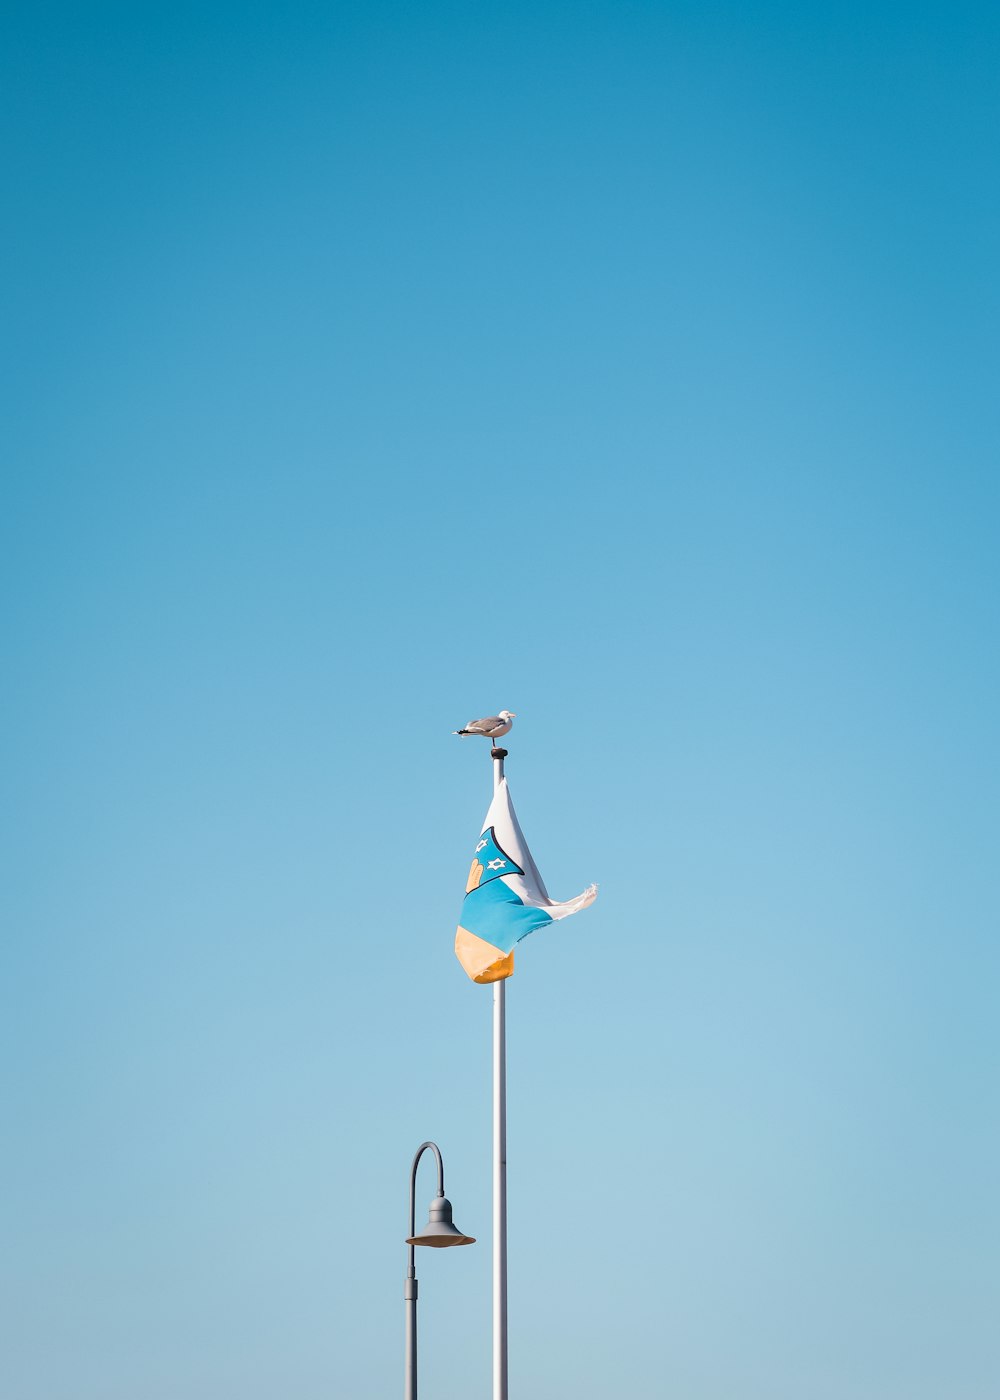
[493,727]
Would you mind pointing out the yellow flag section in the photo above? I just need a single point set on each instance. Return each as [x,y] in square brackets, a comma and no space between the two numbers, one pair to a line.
[505,897]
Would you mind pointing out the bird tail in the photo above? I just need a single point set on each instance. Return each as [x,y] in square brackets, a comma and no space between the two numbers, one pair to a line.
[460,731]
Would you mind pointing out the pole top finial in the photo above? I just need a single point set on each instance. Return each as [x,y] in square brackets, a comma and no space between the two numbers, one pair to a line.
[498,753]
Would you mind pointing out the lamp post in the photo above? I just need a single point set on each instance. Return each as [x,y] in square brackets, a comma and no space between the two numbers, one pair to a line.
[439,1233]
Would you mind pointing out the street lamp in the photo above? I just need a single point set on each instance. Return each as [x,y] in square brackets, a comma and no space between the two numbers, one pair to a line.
[439,1233]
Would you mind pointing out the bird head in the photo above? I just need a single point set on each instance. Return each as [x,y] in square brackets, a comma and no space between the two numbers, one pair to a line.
[508,714]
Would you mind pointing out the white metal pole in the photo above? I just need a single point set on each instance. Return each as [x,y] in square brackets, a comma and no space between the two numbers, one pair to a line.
[499,1165]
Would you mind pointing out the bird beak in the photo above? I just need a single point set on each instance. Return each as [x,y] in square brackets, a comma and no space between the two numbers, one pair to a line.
[512,713]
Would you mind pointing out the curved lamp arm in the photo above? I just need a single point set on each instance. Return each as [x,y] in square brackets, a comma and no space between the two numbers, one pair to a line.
[411,1271]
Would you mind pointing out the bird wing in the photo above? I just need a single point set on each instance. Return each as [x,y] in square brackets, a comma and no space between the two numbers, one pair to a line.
[485,726]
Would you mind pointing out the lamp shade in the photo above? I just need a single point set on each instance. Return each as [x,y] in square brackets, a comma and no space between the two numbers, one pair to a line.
[440,1230]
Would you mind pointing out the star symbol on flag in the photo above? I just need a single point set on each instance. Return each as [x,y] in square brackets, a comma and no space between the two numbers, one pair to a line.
[480,846]
[496,865]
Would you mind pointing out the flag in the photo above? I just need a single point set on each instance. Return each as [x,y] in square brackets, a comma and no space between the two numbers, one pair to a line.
[505,897]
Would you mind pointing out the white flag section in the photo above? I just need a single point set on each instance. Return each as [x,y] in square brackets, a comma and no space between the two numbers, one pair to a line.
[505,896]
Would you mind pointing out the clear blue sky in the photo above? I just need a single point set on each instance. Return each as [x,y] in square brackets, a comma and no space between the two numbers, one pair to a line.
[368,368]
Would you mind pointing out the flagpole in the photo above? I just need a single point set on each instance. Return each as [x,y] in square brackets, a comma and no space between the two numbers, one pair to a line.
[499,1160]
